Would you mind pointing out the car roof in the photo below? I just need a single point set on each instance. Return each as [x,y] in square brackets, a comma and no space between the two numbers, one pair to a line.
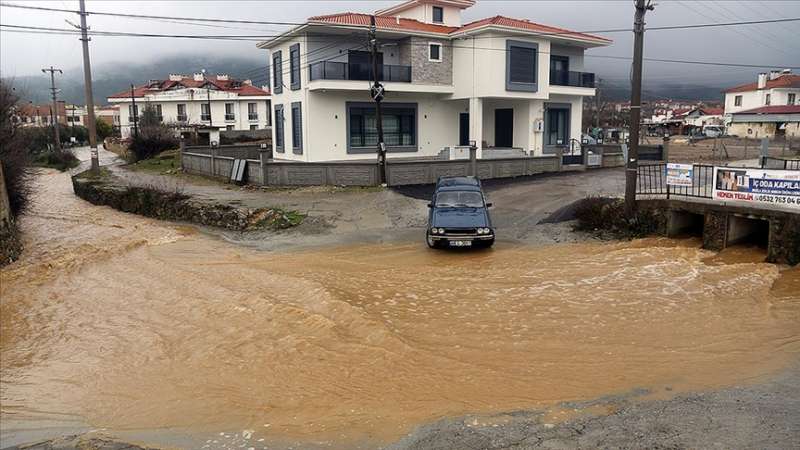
[458,181]
[459,187]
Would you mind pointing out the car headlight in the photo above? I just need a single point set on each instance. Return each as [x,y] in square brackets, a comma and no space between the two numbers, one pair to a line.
[441,230]
[434,230]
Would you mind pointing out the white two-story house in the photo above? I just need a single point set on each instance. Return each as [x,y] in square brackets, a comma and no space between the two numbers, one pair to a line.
[770,107]
[503,83]
[206,103]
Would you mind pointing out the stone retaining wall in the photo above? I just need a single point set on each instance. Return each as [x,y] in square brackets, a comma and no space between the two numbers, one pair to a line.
[175,206]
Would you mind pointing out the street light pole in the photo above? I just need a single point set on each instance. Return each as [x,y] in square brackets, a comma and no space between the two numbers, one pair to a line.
[54,115]
[87,85]
[632,164]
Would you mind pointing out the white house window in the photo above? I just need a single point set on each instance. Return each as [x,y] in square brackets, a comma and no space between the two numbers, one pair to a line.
[297,129]
[279,138]
[521,66]
[182,112]
[438,14]
[737,101]
[277,73]
[159,116]
[133,113]
[205,111]
[791,99]
[435,52]
[399,127]
[229,127]
[768,99]
[252,111]
[253,127]
[229,114]
[294,67]
[557,132]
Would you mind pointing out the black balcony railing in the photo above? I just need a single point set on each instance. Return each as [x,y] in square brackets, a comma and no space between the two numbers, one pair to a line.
[230,117]
[252,116]
[569,78]
[182,118]
[330,70]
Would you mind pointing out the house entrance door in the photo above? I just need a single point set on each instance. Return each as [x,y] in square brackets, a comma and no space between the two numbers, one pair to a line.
[463,129]
[504,127]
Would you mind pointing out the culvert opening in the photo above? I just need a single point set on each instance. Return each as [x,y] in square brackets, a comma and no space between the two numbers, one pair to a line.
[748,232]
[685,224]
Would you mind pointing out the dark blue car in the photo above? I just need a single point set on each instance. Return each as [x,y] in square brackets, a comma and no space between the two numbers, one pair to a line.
[459,215]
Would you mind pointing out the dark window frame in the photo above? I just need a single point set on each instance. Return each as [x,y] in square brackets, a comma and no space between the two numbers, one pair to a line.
[522,86]
[737,100]
[440,10]
[297,128]
[440,48]
[791,98]
[280,137]
[277,72]
[294,67]
[551,148]
[387,109]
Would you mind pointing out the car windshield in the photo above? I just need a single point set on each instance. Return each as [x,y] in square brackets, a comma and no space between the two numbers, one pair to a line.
[451,199]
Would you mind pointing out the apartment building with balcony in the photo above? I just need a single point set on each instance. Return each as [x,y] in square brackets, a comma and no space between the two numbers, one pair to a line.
[506,84]
[204,104]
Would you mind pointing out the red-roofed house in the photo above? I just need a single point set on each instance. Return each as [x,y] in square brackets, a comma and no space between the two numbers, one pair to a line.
[773,121]
[775,88]
[504,83]
[213,103]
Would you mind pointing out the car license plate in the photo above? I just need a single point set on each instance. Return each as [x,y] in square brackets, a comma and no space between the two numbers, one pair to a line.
[460,243]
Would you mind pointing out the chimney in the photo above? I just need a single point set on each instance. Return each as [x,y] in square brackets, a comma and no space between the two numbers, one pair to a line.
[786,71]
[774,74]
[762,80]
[222,77]
[175,77]
[198,76]
[248,82]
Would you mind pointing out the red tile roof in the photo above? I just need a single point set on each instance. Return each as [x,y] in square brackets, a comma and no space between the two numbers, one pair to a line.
[527,25]
[395,23]
[783,81]
[776,109]
[713,111]
[382,22]
[228,85]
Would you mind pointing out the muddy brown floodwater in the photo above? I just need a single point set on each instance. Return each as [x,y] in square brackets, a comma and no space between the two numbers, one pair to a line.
[121,322]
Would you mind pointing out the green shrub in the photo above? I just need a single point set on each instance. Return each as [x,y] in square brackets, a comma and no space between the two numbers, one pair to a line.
[607,215]
[61,160]
[14,154]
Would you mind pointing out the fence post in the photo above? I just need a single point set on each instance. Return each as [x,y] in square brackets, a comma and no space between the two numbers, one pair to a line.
[181,149]
[262,161]
[213,161]
[560,156]
[473,159]
[665,149]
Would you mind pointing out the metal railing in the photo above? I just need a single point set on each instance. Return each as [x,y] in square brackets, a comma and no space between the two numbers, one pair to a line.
[230,117]
[183,118]
[330,70]
[769,162]
[570,78]
[651,181]
[252,116]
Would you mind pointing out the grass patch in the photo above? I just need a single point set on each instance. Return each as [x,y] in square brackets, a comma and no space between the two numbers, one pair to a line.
[275,219]
[102,174]
[163,163]
[63,160]
[605,217]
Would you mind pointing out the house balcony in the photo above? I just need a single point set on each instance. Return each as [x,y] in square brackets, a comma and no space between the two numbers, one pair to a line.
[252,117]
[183,118]
[230,118]
[570,78]
[330,70]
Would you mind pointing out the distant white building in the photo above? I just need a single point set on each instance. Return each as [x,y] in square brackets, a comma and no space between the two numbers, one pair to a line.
[770,107]
[207,104]
[507,84]
[773,89]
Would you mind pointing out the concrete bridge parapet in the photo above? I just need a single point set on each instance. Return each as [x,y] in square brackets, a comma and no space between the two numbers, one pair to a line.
[723,225]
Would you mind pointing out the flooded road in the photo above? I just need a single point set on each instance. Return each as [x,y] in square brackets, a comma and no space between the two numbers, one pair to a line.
[115,321]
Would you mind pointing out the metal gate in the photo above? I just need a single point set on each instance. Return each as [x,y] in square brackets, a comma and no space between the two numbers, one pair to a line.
[573,154]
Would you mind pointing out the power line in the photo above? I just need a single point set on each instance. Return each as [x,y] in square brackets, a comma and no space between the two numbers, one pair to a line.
[142,16]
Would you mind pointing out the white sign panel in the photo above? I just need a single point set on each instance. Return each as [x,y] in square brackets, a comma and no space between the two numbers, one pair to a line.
[679,174]
[761,187]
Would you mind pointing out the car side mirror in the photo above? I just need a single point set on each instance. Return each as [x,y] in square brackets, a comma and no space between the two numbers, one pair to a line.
[489,204]
[430,205]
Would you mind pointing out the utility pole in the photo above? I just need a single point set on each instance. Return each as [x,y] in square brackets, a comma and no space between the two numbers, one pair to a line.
[54,115]
[377,93]
[87,86]
[632,164]
[208,100]
[135,114]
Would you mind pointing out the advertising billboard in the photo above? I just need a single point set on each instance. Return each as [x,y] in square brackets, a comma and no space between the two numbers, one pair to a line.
[761,187]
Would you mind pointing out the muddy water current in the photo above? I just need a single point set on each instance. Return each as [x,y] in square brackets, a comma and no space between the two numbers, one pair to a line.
[120,322]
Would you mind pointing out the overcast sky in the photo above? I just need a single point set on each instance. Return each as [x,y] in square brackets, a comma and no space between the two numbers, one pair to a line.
[773,44]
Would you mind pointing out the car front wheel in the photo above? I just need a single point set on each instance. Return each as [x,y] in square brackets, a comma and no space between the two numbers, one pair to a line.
[429,240]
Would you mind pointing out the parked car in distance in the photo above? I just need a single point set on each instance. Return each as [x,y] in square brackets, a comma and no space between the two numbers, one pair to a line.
[459,215]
